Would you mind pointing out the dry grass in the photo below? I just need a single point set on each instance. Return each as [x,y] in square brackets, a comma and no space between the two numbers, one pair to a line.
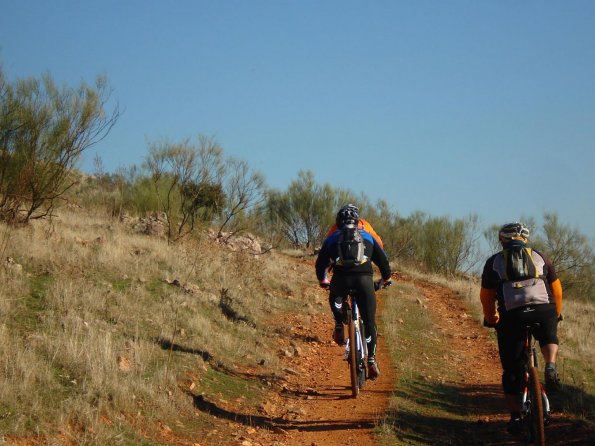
[577,343]
[99,325]
[421,407]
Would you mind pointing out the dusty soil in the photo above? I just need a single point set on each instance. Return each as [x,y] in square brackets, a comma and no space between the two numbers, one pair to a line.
[315,407]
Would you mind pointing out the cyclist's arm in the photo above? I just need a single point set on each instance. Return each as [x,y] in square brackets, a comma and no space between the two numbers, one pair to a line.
[488,294]
[553,281]
[488,303]
[323,261]
[380,258]
[556,286]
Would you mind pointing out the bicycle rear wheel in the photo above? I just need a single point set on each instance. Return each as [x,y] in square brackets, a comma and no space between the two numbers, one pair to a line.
[536,426]
[353,359]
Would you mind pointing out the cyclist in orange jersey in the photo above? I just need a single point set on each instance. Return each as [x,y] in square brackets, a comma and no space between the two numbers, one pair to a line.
[362,224]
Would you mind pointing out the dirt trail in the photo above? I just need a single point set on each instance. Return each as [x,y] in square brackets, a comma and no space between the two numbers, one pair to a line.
[319,396]
[475,356]
[315,407]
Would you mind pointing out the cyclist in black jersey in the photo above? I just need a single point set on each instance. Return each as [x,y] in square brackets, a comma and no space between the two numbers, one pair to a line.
[357,275]
[519,286]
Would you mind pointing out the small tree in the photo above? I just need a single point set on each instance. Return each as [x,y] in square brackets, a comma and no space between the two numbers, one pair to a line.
[572,254]
[243,191]
[43,132]
[400,235]
[188,182]
[304,212]
[448,247]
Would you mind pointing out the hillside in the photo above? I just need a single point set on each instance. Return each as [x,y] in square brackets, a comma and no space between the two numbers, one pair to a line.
[112,336]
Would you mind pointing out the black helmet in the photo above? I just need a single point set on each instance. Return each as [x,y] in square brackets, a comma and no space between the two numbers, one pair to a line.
[348,214]
[513,230]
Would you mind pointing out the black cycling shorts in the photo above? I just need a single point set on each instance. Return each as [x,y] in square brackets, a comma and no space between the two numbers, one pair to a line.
[511,331]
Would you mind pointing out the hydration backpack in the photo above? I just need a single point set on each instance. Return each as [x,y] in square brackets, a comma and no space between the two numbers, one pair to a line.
[351,247]
[519,264]
[522,278]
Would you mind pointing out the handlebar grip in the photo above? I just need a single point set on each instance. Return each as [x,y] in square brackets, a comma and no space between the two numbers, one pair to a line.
[377,284]
[485,324]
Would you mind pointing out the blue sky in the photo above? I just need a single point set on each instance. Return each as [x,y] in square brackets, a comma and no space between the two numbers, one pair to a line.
[448,107]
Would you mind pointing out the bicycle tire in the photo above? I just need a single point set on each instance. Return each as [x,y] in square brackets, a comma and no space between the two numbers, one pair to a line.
[536,426]
[353,358]
[361,360]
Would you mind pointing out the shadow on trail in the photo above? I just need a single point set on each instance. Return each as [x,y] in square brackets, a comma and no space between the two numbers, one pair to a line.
[471,415]
[333,392]
[576,401]
[456,400]
[166,344]
[277,423]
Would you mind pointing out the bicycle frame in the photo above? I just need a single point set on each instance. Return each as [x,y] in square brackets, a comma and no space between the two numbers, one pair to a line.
[355,345]
[534,402]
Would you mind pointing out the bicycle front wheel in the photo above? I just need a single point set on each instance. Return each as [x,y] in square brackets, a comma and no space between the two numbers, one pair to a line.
[536,426]
[361,355]
[353,359]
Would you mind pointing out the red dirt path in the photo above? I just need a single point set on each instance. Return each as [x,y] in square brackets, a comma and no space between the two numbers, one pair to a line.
[317,410]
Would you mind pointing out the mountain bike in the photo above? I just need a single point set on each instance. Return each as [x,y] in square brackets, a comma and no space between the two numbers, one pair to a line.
[535,404]
[356,349]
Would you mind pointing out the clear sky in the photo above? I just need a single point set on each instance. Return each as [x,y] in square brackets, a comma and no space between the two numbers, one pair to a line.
[448,107]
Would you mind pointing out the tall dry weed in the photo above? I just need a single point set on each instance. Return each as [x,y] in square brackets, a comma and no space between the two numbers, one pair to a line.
[100,321]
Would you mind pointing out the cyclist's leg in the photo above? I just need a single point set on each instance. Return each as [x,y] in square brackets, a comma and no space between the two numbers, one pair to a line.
[547,335]
[367,306]
[511,340]
[335,301]
[338,289]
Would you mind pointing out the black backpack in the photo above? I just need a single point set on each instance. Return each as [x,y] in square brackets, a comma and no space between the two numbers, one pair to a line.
[351,247]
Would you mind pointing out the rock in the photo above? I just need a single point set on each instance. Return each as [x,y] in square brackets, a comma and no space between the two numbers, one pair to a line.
[124,364]
[13,266]
[155,225]
[268,408]
[246,242]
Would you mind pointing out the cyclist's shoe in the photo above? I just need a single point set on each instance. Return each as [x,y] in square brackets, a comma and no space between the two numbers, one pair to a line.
[515,425]
[339,335]
[552,382]
[373,370]
[547,418]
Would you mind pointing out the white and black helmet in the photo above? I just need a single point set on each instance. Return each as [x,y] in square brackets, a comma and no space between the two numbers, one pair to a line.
[348,214]
[513,230]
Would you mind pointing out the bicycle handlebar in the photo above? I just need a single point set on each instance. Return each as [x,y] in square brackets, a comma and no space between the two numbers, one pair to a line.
[485,324]
[377,284]
[382,284]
